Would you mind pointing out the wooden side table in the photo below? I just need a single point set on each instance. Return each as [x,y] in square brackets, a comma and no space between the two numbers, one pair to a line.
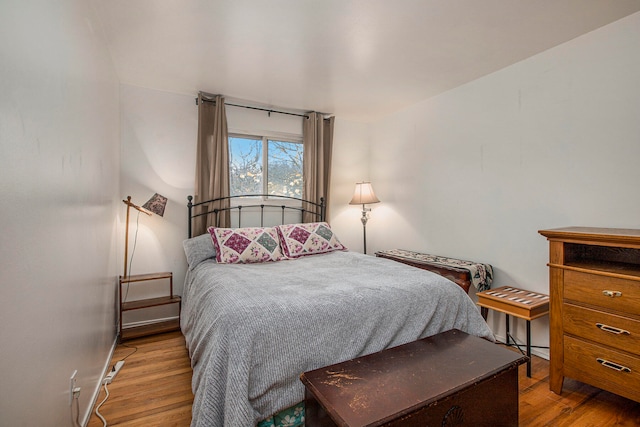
[156,327]
[519,303]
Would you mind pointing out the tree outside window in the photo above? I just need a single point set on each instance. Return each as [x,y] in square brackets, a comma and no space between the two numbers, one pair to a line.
[264,165]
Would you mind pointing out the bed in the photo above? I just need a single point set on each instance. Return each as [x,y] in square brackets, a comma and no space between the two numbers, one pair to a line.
[252,328]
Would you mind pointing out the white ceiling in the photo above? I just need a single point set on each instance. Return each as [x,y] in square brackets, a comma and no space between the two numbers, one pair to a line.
[358,59]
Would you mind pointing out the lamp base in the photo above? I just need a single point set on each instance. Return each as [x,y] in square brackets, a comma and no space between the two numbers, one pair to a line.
[364,220]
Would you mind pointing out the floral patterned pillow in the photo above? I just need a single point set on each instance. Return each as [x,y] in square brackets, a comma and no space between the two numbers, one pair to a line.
[307,239]
[246,245]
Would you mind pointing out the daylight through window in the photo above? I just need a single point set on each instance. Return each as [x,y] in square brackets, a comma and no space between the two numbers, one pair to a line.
[265,165]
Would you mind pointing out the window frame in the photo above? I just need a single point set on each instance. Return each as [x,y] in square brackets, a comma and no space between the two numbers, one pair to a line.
[265,137]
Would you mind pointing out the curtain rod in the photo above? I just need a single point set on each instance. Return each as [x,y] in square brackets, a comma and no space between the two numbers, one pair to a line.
[256,108]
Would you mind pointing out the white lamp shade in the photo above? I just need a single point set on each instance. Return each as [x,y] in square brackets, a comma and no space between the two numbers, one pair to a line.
[364,195]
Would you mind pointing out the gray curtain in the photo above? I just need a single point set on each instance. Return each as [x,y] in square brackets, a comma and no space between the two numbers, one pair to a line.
[212,163]
[317,134]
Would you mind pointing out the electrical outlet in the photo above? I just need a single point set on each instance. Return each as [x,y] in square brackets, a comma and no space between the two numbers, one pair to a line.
[72,386]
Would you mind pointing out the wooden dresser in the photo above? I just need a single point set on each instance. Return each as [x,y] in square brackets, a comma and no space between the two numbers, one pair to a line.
[594,286]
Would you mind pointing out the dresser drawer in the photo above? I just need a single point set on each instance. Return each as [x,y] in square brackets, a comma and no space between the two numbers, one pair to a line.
[611,293]
[582,361]
[611,330]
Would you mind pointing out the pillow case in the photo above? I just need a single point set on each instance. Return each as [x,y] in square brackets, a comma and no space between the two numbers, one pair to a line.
[246,245]
[307,239]
[198,249]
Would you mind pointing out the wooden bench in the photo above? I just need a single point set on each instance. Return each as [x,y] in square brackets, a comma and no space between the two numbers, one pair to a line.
[445,379]
[519,303]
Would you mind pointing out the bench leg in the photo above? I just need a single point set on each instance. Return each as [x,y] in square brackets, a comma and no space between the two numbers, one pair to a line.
[507,329]
[529,348]
[510,338]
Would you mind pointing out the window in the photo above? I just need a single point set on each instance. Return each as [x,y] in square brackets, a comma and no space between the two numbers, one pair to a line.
[265,165]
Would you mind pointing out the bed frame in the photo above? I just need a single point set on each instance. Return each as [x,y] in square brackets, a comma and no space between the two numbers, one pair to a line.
[318,210]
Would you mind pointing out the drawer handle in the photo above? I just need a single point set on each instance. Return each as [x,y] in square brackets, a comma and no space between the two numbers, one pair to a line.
[612,329]
[612,294]
[613,366]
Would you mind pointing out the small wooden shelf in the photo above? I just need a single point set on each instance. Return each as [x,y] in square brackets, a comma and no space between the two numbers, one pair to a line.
[629,271]
[154,327]
[145,277]
[151,302]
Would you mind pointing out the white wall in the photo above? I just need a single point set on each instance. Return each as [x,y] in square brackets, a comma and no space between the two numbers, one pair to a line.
[158,134]
[549,142]
[350,164]
[158,155]
[59,167]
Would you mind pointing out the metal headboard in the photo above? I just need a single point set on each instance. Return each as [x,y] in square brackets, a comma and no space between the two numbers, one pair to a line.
[318,209]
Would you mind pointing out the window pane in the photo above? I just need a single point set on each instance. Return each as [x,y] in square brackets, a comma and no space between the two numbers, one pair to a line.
[245,165]
[285,168]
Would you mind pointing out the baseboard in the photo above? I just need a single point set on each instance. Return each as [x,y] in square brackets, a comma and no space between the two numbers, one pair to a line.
[98,386]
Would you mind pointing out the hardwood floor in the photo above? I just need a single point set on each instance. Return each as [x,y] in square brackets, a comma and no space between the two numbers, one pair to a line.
[154,389]
[580,404]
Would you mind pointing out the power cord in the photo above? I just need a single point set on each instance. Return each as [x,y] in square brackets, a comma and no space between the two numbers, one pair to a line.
[106,390]
[133,251]
[107,380]
[130,354]
[104,383]
[75,420]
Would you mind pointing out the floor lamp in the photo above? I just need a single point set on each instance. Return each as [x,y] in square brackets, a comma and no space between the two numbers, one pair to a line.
[155,205]
[364,195]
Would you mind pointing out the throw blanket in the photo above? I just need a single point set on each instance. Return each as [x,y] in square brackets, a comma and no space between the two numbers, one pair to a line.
[252,329]
[481,274]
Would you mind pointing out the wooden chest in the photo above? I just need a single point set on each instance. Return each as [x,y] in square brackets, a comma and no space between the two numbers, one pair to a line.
[594,284]
[448,379]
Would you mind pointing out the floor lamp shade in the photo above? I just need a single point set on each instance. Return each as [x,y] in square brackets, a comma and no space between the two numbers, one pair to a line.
[364,195]
[156,204]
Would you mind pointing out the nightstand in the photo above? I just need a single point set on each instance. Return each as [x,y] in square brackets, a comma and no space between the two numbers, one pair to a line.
[156,327]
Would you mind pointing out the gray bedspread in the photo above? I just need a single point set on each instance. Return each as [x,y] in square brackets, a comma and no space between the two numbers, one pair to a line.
[252,329]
